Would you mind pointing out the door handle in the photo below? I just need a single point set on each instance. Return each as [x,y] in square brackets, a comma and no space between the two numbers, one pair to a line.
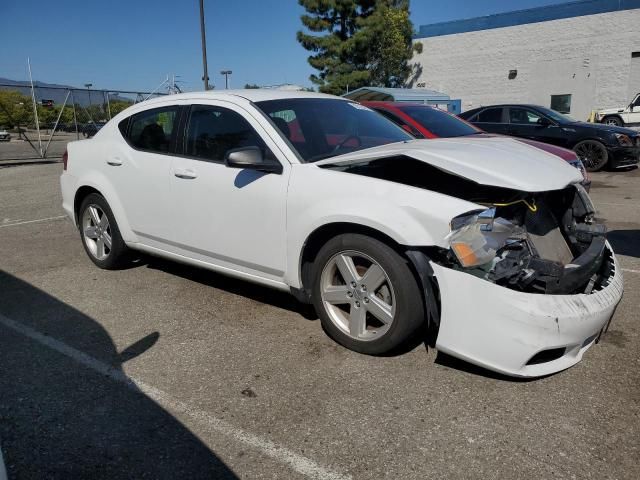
[186,174]
[114,161]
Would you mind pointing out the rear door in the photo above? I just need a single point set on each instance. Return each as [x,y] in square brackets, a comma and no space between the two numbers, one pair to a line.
[140,171]
[492,119]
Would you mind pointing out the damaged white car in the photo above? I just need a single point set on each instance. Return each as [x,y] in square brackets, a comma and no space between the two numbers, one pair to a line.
[488,245]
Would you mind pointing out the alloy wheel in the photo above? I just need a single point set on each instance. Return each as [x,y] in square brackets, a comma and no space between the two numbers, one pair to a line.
[592,154]
[96,232]
[358,295]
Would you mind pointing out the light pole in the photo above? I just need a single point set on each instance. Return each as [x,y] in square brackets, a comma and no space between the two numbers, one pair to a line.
[226,74]
[89,85]
[205,76]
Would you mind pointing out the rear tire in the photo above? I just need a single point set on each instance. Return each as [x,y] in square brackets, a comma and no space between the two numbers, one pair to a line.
[593,154]
[365,294]
[100,233]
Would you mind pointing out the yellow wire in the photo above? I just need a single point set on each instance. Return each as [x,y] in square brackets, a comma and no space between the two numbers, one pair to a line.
[532,206]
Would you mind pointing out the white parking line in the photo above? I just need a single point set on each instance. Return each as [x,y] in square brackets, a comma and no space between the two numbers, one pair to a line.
[32,221]
[299,463]
[629,270]
[617,204]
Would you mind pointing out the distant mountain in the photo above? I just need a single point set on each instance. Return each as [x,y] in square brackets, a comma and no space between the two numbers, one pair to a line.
[50,91]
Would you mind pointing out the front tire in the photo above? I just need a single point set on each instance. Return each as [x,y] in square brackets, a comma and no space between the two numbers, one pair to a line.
[613,121]
[100,233]
[365,294]
[593,154]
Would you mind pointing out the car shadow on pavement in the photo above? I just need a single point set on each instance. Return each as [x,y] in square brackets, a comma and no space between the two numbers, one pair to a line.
[448,361]
[232,285]
[625,242]
[61,419]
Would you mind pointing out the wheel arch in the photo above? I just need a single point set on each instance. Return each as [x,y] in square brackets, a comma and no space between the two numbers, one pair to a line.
[80,195]
[101,186]
[417,258]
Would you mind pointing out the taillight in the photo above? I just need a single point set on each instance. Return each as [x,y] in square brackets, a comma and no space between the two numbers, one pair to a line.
[65,159]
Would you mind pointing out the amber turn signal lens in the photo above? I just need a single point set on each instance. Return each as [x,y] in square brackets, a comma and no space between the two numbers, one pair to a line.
[466,256]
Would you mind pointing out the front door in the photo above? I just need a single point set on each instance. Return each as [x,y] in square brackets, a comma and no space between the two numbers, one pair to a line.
[233,218]
[528,123]
[633,117]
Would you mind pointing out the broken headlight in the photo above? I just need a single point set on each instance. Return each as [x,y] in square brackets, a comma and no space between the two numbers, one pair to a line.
[476,237]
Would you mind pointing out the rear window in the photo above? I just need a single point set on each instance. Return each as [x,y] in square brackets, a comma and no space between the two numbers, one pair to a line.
[490,115]
[151,130]
[440,123]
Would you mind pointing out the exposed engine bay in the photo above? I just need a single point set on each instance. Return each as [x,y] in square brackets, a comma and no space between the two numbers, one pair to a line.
[542,242]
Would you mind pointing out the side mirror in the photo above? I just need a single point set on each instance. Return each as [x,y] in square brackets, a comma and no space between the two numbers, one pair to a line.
[544,122]
[251,158]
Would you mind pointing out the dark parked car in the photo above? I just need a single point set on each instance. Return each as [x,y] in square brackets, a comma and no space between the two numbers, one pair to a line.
[424,121]
[91,128]
[595,144]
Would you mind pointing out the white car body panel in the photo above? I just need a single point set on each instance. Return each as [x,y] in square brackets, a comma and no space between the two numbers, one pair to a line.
[254,226]
[630,114]
[518,325]
[502,162]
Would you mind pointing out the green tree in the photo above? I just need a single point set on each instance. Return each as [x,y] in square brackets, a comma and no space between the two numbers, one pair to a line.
[15,109]
[358,42]
[338,53]
[389,32]
[117,106]
[251,85]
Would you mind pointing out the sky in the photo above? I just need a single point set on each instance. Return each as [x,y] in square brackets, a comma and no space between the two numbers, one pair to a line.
[135,44]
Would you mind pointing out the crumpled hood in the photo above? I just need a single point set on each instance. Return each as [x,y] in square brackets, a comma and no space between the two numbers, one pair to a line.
[501,162]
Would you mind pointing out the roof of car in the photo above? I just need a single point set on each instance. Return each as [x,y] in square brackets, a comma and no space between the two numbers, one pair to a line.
[527,105]
[382,103]
[251,94]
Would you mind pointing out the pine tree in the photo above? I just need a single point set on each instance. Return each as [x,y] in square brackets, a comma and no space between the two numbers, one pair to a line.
[364,42]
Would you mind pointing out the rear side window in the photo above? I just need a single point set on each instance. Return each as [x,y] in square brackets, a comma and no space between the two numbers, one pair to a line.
[490,115]
[213,131]
[153,130]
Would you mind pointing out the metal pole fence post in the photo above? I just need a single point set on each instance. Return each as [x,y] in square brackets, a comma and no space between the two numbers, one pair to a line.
[75,117]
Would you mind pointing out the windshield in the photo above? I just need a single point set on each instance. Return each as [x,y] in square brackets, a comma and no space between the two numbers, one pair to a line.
[440,123]
[557,116]
[319,128]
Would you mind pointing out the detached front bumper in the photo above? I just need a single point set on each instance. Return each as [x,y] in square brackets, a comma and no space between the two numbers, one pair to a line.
[516,333]
[621,157]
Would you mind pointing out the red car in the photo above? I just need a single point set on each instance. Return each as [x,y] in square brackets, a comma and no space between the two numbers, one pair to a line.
[424,121]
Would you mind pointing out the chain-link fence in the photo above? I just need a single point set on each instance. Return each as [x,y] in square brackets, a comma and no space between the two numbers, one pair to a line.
[47,117]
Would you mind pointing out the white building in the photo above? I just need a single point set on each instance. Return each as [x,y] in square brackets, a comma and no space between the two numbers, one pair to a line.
[574,57]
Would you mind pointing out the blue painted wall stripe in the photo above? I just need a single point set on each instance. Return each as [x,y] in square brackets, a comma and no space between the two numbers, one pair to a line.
[523,17]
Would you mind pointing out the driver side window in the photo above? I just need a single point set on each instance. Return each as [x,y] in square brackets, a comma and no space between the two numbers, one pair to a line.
[213,131]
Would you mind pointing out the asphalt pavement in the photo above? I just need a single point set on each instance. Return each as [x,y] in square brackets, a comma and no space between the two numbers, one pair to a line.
[167,371]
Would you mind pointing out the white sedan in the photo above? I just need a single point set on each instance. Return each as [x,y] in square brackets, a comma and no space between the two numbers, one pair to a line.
[486,246]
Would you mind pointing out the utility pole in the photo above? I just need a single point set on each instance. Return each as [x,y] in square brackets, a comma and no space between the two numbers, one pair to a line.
[205,76]
[226,74]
